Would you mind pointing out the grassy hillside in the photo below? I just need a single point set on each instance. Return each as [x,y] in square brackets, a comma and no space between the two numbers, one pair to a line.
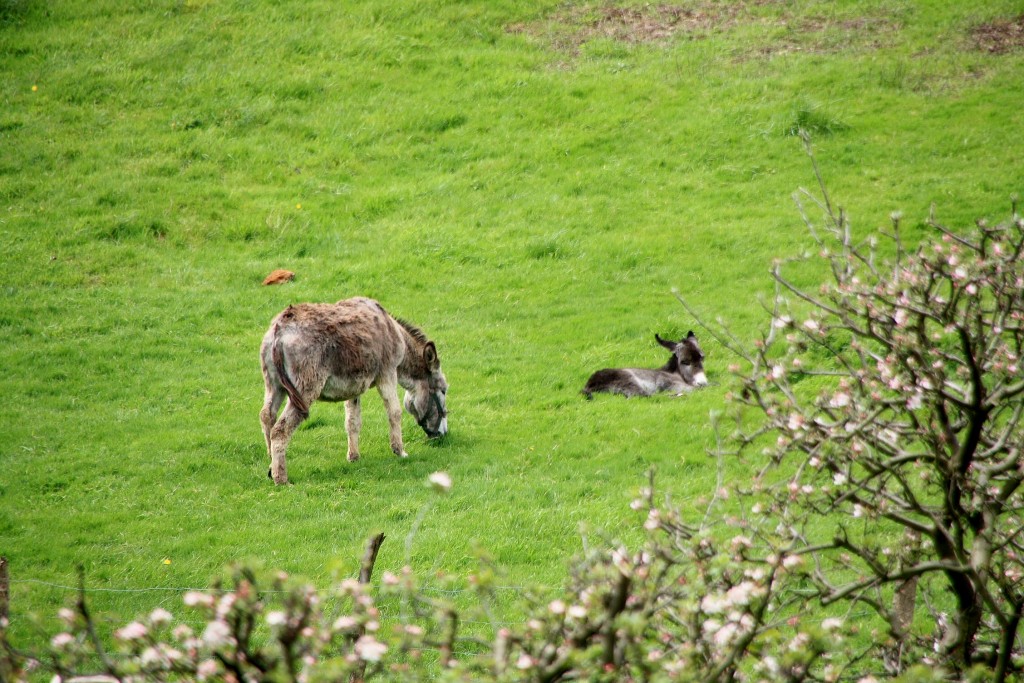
[528,181]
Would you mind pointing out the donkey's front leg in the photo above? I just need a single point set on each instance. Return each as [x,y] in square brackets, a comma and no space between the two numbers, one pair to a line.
[353,423]
[389,392]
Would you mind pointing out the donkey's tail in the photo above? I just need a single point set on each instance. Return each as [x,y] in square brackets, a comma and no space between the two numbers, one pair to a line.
[277,355]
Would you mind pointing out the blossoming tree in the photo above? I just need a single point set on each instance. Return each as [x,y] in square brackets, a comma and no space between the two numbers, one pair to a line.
[889,401]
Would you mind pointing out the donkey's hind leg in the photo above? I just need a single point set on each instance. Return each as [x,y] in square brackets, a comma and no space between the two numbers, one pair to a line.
[271,407]
[280,435]
[353,423]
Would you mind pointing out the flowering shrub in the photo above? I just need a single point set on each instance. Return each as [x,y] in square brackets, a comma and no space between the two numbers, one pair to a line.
[683,607]
[913,446]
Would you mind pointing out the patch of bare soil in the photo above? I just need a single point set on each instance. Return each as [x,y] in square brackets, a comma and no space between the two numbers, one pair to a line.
[573,26]
[1000,36]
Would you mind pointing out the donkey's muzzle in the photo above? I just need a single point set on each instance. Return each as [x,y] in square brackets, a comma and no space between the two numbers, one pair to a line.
[441,430]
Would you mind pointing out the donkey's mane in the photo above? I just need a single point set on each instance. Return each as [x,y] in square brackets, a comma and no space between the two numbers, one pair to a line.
[672,365]
[414,331]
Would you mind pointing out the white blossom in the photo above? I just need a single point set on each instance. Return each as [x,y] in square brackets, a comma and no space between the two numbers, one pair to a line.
[714,603]
[133,631]
[160,616]
[207,669]
[840,399]
[217,634]
[149,657]
[832,623]
[577,611]
[790,561]
[62,640]
[369,649]
[741,593]
[345,623]
[726,634]
[197,599]
[653,519]
[226,603]
[740,542]
[441,482]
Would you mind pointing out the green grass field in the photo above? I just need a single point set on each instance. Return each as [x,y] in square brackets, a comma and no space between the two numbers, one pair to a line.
[527,181]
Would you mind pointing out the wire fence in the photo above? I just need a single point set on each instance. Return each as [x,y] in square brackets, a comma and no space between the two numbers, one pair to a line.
[96,591]
[184,589]
[534,590]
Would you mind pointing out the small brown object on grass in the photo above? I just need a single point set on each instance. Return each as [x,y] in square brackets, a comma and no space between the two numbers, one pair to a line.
[279,276]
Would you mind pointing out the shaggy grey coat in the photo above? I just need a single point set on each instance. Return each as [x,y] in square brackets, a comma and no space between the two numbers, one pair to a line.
[336,352]
[683,371]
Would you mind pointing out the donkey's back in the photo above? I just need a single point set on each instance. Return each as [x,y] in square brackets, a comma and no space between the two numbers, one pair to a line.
[334,352]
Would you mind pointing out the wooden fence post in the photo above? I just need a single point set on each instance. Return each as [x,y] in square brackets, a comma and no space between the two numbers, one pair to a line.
[365,573]
[370,558]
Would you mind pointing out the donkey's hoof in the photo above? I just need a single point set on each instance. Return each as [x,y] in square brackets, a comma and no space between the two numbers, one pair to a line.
[352,457]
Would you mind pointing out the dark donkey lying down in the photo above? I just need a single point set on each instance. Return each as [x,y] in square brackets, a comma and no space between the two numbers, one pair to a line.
[335,352]
[683,371]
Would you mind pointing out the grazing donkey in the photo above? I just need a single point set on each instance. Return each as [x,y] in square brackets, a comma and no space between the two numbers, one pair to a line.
[335,352]
[683,371]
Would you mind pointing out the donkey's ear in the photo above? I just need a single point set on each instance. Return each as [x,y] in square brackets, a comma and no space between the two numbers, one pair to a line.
[667,344]
[430,356]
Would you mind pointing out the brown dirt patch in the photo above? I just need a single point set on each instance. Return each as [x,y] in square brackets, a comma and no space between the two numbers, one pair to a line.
[571,27]
[1000,36]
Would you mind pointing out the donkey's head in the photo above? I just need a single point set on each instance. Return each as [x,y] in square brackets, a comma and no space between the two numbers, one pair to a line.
[687,358]
[425,397]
